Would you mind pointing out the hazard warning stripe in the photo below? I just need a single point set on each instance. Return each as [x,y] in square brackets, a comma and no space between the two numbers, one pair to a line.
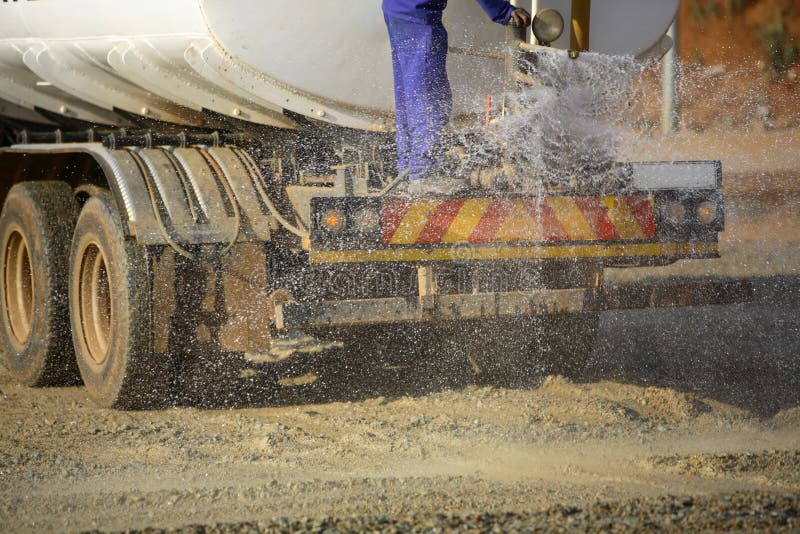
[488,226]
[414,222]
[392,215]
[439,222]
[467,219]
[642,209]
[518,220]
[596,217]
[620,215]
[572,218]
[517,228]
[552,229]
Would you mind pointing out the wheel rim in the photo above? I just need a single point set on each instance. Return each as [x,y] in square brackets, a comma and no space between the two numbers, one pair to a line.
[95,303]
[18,287]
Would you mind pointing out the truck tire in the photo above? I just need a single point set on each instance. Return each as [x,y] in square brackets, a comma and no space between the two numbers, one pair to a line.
[567,343]
[502,352]
[109,298]
[35,231]
[518,353]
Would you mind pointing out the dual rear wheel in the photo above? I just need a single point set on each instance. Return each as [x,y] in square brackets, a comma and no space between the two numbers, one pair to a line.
[75,298]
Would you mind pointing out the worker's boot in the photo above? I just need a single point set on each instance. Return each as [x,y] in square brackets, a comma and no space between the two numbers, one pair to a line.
[436,186]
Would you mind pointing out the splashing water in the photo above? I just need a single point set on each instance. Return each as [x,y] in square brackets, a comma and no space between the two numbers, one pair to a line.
[565,130]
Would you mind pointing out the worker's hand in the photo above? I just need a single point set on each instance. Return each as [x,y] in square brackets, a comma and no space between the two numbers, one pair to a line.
[520,18]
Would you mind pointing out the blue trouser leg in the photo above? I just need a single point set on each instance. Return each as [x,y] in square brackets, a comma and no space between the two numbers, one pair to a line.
[422,93]
[403,132]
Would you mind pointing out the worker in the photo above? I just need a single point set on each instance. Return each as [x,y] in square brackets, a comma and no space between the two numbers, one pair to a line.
[423,100]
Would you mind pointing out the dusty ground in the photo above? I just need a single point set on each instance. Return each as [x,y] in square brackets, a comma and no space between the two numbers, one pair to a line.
[685,418]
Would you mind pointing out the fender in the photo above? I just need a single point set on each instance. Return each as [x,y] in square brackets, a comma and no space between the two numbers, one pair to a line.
[194,195]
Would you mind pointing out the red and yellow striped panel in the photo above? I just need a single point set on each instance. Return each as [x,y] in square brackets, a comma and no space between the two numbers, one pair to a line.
[517,220]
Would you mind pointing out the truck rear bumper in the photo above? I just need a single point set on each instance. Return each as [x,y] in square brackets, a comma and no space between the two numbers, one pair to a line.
[656,294]
[632,251]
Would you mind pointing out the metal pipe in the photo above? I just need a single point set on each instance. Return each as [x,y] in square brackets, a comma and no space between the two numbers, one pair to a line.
[669,89]
[579,29]
[514,36]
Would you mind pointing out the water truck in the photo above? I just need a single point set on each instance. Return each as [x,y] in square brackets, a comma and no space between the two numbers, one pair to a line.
[204,178]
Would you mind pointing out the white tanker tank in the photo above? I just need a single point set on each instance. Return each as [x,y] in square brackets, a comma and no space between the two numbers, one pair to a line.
[106,62]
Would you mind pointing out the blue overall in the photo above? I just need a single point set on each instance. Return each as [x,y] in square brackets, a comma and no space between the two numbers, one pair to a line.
[423,100]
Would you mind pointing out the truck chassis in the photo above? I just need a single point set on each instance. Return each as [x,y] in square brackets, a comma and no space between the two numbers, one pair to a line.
[121,263]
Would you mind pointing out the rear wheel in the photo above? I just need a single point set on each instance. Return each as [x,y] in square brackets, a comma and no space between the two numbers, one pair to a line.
[504,352]
[35,230]
[519,352]
[109,297]
[567,342]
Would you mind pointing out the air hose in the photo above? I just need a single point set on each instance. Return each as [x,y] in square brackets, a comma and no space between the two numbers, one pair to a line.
[299,232]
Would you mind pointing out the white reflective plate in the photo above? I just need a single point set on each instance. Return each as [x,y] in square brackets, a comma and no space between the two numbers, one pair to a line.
[677,175]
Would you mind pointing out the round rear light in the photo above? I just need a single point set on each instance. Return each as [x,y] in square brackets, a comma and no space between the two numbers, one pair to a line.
[366,219]
[333,220]
[706,212]
[675,212]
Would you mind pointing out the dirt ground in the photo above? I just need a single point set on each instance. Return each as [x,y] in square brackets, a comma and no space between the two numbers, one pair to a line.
[684,419]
